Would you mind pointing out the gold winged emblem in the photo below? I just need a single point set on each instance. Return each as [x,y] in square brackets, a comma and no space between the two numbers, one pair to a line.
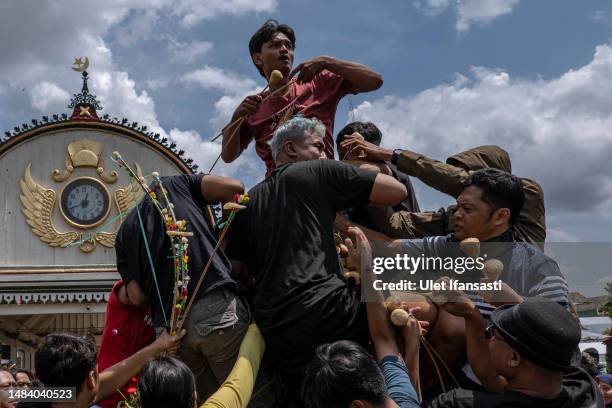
[38,203]
[125,198]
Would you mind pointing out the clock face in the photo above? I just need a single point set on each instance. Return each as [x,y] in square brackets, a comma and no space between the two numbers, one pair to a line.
[85,202]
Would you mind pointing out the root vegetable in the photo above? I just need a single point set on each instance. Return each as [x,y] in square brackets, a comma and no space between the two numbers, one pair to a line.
[493,268]
[470,247]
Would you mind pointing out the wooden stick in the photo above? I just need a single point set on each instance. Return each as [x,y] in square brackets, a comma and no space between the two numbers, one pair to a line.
[210,259]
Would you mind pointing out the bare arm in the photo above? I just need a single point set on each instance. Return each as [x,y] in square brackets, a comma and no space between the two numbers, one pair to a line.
[132,294]
[361,77]
[379,325]
[443,177]
[216,189]
[119,374]
[376,167]
[387,191]
[231,144]
[460,305]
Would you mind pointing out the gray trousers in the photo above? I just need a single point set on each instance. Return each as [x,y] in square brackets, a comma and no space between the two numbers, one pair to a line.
[215,328]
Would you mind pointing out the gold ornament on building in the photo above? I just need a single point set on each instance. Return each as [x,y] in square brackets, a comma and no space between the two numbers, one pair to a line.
[84,202]
[79,65]
[84,153]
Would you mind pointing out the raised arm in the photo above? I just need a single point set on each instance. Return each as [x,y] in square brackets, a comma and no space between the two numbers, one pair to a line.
[231,144]
[379,326]
[460,305]
[362,77]
[216,189]
[443,177]
[119,374]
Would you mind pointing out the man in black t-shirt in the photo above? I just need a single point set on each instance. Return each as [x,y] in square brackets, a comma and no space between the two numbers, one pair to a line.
[219,318]
[285,239]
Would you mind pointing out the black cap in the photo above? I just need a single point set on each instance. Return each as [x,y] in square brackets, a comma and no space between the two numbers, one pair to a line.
[540,330]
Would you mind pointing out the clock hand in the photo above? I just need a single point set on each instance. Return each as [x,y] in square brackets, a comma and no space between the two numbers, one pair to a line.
[76,205]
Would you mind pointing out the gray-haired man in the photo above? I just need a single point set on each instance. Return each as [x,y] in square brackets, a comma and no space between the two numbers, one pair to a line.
[285,239]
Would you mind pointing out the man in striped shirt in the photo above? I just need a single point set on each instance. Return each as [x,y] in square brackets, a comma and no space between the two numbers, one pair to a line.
[487,209]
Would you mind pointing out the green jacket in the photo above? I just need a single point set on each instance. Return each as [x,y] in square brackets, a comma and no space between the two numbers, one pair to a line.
[449,178]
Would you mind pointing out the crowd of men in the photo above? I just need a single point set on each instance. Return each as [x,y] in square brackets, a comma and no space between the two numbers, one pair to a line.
[277,323]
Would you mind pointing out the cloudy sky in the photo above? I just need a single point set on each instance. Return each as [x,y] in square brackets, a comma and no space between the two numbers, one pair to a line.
[533,76]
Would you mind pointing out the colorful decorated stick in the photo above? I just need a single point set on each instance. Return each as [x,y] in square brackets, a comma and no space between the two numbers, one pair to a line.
[176,230]
[240,201]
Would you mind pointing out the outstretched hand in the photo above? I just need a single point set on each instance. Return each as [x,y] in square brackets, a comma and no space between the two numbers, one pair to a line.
[308,69]
[360,250]
[456,302]
[414,329]
[169,343]
[366,150]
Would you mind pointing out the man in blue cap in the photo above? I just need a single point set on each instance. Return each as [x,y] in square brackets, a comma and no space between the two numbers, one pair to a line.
[531,346]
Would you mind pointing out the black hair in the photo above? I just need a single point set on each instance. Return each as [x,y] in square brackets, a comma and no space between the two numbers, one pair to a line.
[588,364]
[264,34]
[500,190]
[592,351]
[166,382]
[368,130]
[22,370]
[340,373]
[65,360]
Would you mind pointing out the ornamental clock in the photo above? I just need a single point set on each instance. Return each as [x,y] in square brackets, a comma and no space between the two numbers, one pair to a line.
[85,202]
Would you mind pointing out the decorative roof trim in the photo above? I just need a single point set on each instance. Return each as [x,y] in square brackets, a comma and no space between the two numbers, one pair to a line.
[53,297]
[133,129]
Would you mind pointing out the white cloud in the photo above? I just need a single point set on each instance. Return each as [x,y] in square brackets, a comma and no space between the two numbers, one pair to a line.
[217,78]
[35,75]
[234,86]
[48,97]
[481,12]
[140,26]
[432,7]
[191,12]
[468,12]
[207,152]
[557,132]
[601,16]
[186,52]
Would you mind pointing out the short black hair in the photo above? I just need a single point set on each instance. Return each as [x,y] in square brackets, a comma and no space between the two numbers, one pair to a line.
[340,373]
[500,190]
[370,132]
[265,33]
[592,351]
[65,360]
[166,382]
[22,370]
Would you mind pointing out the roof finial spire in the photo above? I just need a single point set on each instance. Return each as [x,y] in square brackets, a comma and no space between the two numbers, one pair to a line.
[84,104]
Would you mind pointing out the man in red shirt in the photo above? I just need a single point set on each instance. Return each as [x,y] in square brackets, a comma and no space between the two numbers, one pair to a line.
[127,329]
[320,84]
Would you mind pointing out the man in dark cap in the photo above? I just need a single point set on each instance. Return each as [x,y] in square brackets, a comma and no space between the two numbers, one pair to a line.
[531,346]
